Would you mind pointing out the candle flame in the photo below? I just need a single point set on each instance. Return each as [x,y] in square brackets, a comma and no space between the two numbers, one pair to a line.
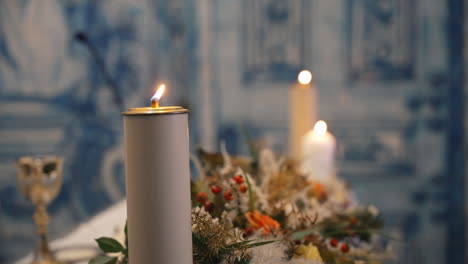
[304,77]
[159,93]
[320,128]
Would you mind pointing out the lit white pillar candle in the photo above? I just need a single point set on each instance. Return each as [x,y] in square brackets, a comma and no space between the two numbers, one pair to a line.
[302,111]
[318,153]
[158,183]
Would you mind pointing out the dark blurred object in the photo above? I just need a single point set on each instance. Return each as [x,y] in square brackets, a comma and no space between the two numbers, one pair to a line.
[82,38]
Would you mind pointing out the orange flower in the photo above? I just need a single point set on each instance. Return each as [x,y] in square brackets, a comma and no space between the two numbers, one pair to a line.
[261,221]
[318,190]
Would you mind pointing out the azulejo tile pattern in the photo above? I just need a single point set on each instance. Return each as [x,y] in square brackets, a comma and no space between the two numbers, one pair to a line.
[382,95]
[55,98]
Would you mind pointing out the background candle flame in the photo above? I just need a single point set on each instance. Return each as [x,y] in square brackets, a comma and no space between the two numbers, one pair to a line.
[320,128]
[304,77]
[159,93]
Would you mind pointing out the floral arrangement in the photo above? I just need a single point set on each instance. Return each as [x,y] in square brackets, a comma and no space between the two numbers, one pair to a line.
[262,209]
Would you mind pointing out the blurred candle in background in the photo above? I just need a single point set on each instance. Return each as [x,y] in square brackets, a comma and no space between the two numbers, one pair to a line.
[318,153]
[303,111]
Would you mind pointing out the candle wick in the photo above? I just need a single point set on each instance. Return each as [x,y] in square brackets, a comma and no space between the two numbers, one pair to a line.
[155,103]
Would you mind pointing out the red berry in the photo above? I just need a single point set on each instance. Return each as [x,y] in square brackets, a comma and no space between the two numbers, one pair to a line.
[344,248]
[202,197]
[238,179]
[243,188]
[216,189]
[334,242]
[209,207]
[248,231]
[353,220]
[228,195]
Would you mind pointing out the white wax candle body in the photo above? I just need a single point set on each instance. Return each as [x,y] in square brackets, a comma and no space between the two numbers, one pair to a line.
[158,188]
[302,115]
[318,156]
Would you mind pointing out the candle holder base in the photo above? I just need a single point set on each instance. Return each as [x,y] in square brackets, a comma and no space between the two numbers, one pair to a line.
[44,261]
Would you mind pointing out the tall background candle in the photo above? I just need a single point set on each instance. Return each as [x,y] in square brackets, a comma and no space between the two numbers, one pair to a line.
[318,153]
[158,183]
[302,111]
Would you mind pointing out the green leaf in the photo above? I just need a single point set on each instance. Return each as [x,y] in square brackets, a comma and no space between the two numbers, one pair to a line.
[258,244]
[198,241]
[301,234]
[326,255]
[251,198]
[250,143]
[103,260]
[126,234]
[125,252]
[235,246]
[109,245]
[238,244]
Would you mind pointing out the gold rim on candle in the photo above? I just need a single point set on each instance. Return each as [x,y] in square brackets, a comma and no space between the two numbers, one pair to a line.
[162,110]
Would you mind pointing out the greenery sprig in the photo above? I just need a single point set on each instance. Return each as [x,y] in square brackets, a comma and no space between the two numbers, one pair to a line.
[111,245]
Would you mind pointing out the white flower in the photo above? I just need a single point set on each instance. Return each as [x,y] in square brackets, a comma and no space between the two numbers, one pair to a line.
[268,164]
[288,208]
[274,253]
[226,158]
[373,210]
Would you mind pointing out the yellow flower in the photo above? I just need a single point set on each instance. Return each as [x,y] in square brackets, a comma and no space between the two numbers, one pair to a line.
[308,252]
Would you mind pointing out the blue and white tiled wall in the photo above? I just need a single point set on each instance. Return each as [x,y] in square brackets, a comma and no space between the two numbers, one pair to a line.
[382,68]
[54,97]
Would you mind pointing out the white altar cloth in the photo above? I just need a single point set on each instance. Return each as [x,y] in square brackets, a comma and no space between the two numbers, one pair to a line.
[83,237]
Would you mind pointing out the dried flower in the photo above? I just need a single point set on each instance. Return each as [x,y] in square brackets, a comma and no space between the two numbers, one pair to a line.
[213,238]
[318,190]
[264,222]
[274,253]
[308,252]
